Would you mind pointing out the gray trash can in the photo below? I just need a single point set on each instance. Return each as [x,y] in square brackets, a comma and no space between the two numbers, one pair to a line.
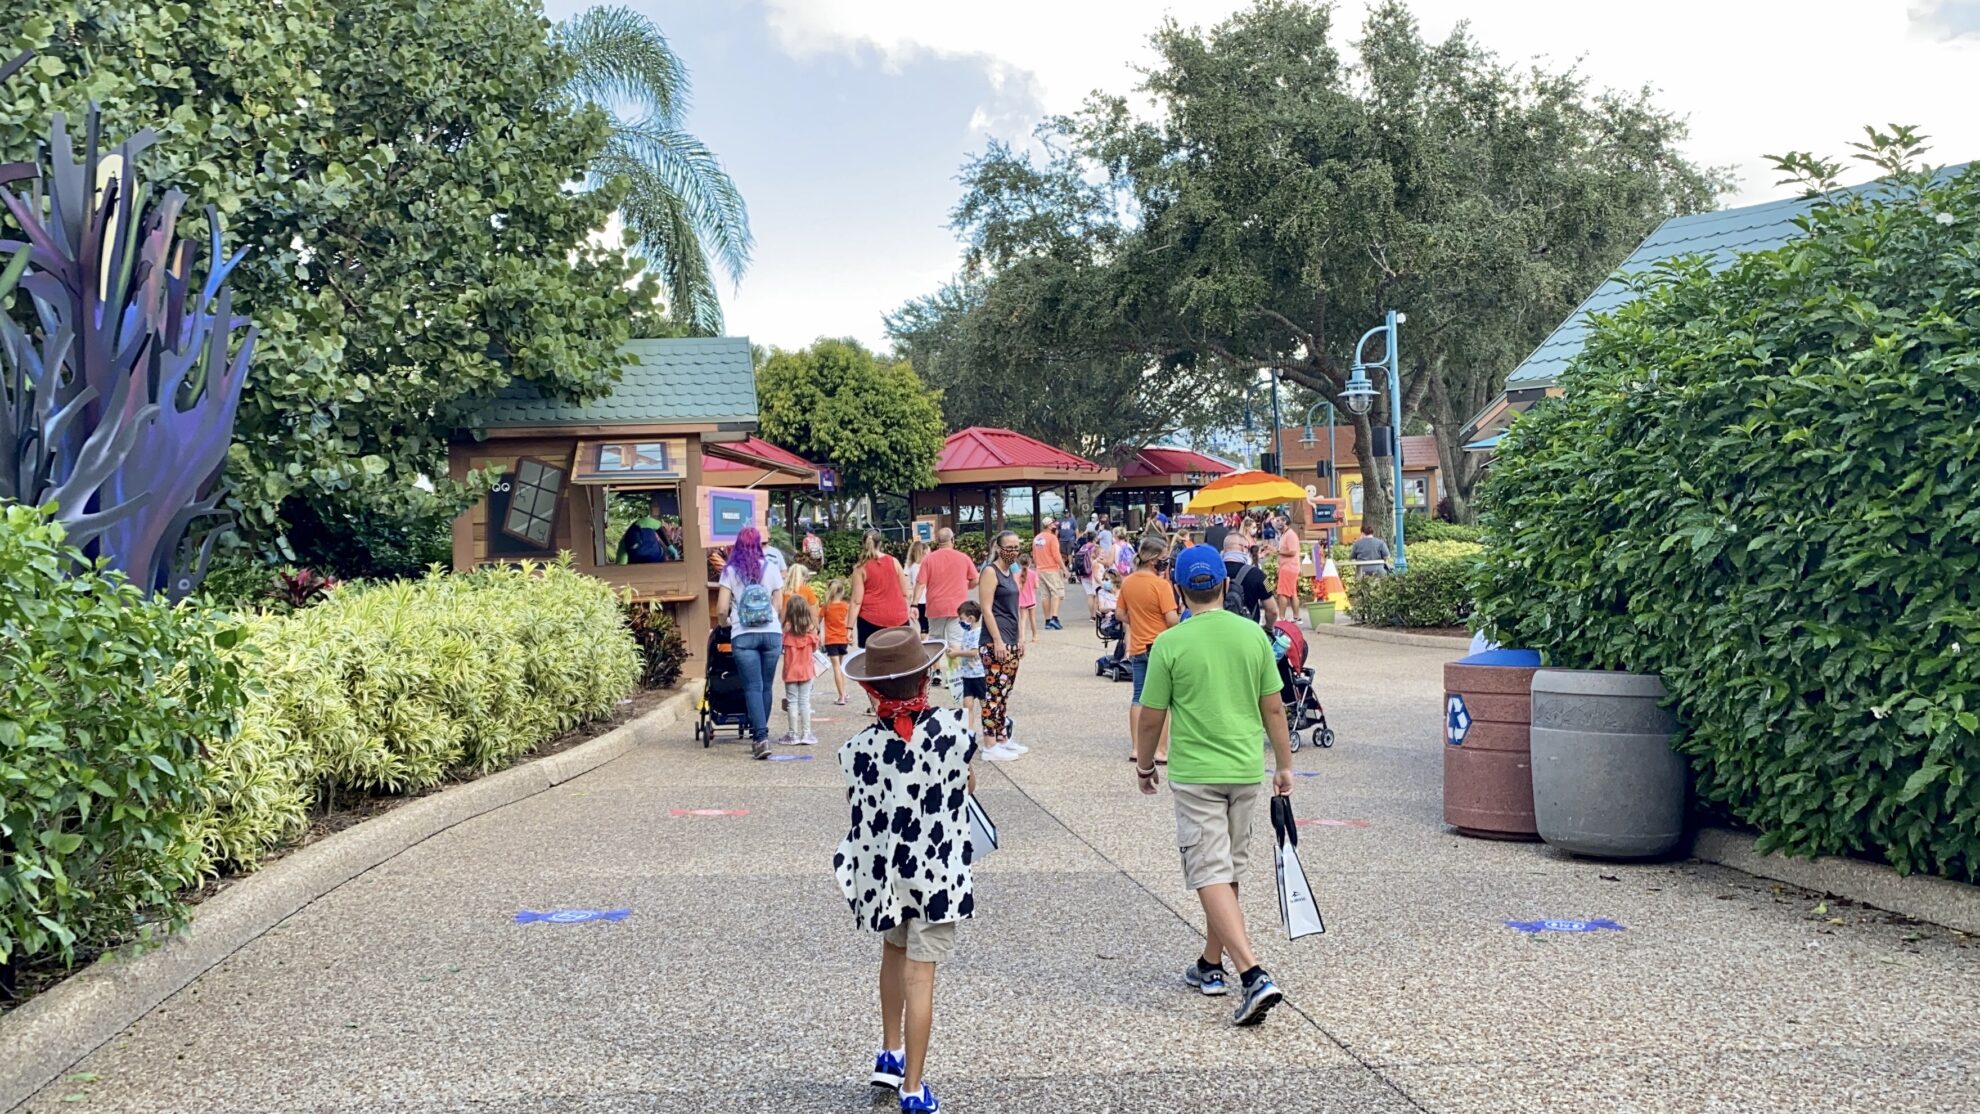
[1606,782]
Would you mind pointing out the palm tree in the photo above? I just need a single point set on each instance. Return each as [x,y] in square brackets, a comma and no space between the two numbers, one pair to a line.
[680,204]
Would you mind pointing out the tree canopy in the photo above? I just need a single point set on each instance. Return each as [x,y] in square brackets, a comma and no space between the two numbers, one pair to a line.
[837,403]
[1281,196]
[399,173]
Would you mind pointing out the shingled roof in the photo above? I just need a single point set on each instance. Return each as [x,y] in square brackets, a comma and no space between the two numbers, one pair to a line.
[696,380]
[1721,235]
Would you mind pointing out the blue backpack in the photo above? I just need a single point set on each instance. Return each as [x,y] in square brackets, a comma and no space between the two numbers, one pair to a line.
[753,607]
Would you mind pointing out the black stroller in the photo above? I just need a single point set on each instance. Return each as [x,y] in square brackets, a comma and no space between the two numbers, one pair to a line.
[722,697]
[1114,664]
[1303,708]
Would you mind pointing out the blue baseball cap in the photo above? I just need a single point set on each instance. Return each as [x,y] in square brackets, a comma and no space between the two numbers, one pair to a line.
[1200,568]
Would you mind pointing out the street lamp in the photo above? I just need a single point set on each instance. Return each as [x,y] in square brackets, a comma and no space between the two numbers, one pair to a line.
[1360,393]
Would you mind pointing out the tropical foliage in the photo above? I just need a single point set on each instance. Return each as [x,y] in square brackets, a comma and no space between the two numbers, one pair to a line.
[109,701]
[679,203]
[1279,197]
[1761,485]
[873,419]
[399,172]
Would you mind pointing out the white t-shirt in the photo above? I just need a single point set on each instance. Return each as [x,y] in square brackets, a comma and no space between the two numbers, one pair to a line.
[773,579]
[917,591]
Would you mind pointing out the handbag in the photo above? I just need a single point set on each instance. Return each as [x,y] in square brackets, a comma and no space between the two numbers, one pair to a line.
[1296,908]
[982,832]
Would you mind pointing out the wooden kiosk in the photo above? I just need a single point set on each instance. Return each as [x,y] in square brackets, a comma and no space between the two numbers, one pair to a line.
[561,463]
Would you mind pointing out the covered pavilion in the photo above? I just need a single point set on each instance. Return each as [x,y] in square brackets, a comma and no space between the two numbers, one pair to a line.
[978,466]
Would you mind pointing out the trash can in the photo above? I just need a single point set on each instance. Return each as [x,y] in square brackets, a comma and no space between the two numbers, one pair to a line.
[1606,783]
[1488,773]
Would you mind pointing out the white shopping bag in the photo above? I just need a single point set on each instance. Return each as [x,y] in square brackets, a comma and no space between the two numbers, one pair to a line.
[1296,908]
[982,832]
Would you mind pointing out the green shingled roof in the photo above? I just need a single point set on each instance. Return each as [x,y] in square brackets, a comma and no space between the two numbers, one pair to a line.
[1722,236]
[697,379]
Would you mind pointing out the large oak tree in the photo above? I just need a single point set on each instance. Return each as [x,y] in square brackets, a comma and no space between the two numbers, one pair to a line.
[1279,197]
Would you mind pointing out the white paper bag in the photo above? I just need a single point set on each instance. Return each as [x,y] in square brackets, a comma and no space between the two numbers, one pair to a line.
[982,832]
[1296,908]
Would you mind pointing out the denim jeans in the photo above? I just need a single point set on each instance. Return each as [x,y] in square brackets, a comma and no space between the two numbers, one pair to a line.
[757,656]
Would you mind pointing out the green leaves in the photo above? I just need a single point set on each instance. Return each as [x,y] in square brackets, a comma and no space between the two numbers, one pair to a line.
[1760,486]
[838,404]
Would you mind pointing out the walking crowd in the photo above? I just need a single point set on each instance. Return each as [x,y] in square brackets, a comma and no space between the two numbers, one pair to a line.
[1191,618]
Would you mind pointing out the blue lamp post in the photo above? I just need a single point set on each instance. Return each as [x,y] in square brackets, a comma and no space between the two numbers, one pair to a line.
[1360,395]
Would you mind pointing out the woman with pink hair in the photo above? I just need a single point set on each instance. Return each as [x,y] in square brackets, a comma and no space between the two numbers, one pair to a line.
[750,600]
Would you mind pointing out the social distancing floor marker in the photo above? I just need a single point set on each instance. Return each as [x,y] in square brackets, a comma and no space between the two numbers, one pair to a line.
[1317,822]
[572,916]
[1601,924]
[789,758]
[709,812]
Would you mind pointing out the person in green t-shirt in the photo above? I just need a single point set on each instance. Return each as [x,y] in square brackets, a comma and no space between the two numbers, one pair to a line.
[1214,681]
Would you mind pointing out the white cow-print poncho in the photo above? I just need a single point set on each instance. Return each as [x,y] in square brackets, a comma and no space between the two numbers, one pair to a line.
[907,853]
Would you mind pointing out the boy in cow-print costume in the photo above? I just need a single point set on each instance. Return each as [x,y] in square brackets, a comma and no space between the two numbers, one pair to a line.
[905,861]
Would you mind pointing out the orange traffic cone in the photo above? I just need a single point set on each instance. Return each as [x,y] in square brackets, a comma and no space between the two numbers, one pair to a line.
[1331,588]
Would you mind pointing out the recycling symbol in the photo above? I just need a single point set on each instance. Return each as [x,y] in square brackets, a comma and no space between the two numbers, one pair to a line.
[1457,721]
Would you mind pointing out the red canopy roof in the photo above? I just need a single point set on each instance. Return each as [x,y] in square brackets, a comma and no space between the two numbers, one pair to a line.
[985,453]
[1155,461]
[760,449]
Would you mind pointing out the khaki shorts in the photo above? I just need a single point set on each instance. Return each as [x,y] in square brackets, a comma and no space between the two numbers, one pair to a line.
[1052,584]
[925,943]
[1213,829]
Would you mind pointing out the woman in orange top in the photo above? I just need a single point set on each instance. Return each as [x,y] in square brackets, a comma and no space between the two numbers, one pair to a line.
[797,582]
[1288,586]
[837,636]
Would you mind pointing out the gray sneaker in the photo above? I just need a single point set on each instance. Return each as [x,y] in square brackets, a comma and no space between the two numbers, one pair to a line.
[1208,982]
[1259,998]
[759,749]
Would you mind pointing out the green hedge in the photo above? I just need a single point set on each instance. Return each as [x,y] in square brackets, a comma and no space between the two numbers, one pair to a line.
[106,700]
[1435,591]
[395,687]
[1763,484]
[1423,528]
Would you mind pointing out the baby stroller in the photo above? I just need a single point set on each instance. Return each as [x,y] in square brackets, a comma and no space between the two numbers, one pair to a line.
[1303,708]
[722,697]
[1112,665]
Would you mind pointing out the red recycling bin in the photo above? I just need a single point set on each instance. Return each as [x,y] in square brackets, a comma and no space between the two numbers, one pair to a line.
[1488,769]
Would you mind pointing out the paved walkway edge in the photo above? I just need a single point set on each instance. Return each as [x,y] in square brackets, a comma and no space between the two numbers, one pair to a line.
[1394,637]
[58,1027]
[1938,900]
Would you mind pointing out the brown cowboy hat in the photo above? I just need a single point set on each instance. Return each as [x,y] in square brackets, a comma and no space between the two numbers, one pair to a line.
[893,652]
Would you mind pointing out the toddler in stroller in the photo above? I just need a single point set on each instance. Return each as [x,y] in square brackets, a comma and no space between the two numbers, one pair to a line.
[1303,708]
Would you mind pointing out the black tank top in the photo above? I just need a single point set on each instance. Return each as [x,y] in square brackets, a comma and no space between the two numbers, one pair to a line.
[1004,605]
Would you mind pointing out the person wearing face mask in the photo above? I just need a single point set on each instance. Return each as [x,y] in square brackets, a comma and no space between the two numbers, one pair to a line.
[997,594]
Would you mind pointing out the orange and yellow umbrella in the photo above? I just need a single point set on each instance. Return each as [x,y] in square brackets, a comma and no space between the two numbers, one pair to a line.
[1241,491]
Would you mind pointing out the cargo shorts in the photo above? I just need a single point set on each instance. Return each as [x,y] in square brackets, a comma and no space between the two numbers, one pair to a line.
[1051,584]
[1213,830]
[925,943]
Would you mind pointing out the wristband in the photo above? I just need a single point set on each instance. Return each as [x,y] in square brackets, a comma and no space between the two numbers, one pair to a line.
[1144,774]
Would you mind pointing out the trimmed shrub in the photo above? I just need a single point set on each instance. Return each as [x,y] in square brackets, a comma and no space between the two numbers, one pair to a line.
[106,699]
[1423,528]
[393,688]
[1434,592]
[1763,484]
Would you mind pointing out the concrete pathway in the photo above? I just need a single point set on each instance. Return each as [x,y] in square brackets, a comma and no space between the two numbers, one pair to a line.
[739,983]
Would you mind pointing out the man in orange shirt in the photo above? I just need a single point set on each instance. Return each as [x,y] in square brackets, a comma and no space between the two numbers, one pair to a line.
[1148,606]
[1050,561]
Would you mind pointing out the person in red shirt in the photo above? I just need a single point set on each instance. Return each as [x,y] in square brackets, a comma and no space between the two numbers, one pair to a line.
[945,578]
[879,589]
[1050,562]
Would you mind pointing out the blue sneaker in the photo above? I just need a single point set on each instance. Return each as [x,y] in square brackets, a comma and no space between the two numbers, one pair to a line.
[1209,983]
[888,1070]
[1259,998]
[923,1103]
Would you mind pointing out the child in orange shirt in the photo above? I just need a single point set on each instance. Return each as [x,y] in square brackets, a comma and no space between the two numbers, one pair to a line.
[800,642]
[838,638]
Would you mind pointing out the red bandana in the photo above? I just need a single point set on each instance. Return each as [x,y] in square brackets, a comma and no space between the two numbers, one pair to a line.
[901,713]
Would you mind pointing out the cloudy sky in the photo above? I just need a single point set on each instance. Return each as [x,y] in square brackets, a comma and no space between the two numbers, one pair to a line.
[844,121]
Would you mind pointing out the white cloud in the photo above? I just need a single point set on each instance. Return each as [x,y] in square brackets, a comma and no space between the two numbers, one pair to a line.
[1755,76]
